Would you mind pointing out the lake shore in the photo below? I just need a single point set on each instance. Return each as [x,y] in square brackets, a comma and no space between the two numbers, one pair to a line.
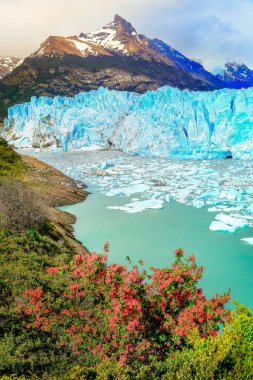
[55,189]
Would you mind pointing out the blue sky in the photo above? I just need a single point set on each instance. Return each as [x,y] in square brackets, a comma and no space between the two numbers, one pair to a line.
[213,31]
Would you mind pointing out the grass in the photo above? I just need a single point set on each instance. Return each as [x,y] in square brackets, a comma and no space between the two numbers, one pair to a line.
[10,162]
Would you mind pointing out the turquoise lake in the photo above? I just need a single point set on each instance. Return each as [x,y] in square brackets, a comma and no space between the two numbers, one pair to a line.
[153,235]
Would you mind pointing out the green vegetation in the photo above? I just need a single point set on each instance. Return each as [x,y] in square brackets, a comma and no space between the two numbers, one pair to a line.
[10,162]
[69,316]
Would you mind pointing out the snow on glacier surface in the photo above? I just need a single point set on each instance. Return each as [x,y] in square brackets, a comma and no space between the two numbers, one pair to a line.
[166,123]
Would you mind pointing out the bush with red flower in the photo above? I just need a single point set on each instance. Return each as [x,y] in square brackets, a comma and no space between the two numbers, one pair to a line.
[127,315]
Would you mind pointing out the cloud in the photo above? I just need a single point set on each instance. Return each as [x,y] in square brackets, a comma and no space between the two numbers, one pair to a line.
[213,31]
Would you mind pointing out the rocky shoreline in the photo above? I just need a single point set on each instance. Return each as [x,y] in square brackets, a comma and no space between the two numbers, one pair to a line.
[55,189]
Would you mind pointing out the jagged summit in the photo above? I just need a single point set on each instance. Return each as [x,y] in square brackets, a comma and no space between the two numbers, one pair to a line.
[120,37]
[121,24]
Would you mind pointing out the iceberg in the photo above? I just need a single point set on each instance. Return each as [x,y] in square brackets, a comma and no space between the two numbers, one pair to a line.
[250,209]
[248,240]
[222,227]
[128,190]
[235,222]
[105,165]
[139,206]
[166,123]
[227,223]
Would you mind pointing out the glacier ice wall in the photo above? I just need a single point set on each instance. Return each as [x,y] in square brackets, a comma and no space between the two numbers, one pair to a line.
[165,123]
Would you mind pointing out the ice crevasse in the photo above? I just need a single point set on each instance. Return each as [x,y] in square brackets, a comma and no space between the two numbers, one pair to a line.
[165,123]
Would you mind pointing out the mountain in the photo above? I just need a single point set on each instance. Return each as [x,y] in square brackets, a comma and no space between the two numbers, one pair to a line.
[195,69]
[165,123]
[8,64]
[237,75]
[115,56]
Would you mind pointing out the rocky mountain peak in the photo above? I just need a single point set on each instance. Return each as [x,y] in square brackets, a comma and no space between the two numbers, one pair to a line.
[122,25]
[121,38]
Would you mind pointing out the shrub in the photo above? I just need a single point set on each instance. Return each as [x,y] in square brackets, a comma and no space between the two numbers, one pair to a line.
[225,357]
[23,258]
[19,207]
[113,312]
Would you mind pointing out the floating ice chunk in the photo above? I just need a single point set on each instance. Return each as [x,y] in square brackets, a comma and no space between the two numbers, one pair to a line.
[250,208]
[229,209]
[105,165]
[128,190]
[248,217]
[149,203]
[231,221]
[231,195]
[222,194]
[130,210]
[248,240]
[139,206]
[214,209]
[210,194]
[198,203]
[124,208]
[168,198]
[220,226]
[135,199]
[224,209]
[157,195]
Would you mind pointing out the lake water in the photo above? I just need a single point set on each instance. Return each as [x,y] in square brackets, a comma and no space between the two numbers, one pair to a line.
[154,234]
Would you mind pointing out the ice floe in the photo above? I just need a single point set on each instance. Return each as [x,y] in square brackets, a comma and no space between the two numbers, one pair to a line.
[128,190]
[248,240]
[220,226]
[139,206]
[238,223]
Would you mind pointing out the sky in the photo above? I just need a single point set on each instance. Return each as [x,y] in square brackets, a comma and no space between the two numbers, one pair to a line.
[211,31]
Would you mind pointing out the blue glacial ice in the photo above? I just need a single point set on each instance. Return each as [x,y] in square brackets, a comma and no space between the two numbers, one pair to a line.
[166,123]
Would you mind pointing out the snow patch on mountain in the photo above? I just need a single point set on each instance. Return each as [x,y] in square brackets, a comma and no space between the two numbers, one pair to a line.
[8,64]
[236,74]
[106,37]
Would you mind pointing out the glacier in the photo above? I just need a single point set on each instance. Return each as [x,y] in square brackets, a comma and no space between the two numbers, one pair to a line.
[166,123]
